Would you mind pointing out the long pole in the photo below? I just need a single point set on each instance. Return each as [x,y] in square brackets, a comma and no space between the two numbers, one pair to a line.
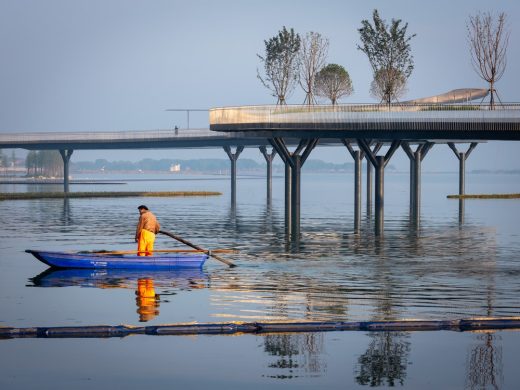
[180,239]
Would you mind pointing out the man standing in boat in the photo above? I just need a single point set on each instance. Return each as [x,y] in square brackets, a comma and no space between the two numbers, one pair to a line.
[147,228]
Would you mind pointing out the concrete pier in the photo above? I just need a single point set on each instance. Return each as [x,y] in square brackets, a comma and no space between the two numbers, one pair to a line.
[379,163]
[269,174]
[65,155]
[293,162]
[233,157]
[462,157]
[415,177]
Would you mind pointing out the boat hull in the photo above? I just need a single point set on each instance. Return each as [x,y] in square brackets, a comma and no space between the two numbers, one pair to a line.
[100,260]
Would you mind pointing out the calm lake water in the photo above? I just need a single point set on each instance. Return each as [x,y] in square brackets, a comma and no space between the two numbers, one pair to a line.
[455,265]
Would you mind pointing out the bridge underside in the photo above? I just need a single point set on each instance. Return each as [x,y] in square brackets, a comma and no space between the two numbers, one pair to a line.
[166,143]
[463,132]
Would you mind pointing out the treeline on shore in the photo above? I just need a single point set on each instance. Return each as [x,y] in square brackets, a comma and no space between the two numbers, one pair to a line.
[198,165]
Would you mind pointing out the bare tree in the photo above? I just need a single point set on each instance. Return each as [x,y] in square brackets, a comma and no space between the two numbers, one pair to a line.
[281,64]
[333,82]
[312,56]
[388,85]
[488,40]
[388,50]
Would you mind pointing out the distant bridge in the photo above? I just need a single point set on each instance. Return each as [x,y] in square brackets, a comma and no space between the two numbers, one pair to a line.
[362,128]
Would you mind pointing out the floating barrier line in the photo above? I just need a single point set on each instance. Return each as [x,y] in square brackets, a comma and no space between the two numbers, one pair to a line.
[105,331]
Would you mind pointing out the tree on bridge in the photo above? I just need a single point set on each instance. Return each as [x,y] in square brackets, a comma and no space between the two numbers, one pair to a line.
[281,64]
[333,82]
[388,85]
[389,53]
[488,40]
[312,56]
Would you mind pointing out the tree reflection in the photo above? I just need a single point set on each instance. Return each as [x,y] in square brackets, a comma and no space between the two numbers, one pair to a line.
[385,361]
[386,358]
[484,364]
[295,354]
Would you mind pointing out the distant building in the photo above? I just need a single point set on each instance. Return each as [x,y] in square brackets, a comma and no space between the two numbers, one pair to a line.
[175,168]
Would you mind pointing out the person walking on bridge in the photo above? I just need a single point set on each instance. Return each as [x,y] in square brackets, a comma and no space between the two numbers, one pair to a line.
[147,228]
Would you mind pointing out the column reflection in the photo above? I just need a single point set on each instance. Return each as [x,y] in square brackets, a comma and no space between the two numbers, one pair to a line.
[295,355]
[484,363]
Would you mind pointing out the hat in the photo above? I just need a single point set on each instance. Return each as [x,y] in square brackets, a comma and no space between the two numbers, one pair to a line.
[142,207]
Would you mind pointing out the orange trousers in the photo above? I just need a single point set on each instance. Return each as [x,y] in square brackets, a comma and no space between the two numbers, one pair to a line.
[145,243]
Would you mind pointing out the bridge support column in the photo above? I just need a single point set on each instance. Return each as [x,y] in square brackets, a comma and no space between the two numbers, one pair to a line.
[379,163]
[417,186]
[415,177]
[65,155]
[296,195]
[369,188]
[379,193]
[288,197]
[376,148]
[293,163]
[357,191]
[358,156]
[462,164]
[233,157]
[269,160]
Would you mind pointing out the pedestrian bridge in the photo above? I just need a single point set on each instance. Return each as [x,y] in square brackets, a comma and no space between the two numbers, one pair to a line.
[410,122]
[367,127]
[362,128]
[144,139]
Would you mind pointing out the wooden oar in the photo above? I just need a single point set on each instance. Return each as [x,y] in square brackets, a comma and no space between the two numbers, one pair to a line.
[161,251]
[180,239]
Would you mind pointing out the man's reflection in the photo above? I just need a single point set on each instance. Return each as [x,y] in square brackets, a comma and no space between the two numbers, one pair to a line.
[147,301]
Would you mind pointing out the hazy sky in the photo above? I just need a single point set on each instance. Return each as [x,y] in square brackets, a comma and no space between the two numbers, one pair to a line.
[118,65]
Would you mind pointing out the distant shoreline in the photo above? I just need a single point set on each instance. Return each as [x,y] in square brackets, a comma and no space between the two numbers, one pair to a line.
[126,194]
[485,196]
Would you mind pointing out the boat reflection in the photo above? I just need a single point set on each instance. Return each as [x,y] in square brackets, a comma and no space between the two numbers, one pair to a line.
[143,282]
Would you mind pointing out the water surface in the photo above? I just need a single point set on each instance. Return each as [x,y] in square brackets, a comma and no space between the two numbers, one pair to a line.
[454,265]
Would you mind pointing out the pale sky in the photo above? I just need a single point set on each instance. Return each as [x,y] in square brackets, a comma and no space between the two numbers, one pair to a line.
[70,65]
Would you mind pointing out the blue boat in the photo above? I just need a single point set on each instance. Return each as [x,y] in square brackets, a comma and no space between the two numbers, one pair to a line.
[102,260]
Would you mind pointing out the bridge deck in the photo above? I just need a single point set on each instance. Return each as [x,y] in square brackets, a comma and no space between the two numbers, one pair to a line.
[254,125]
[398,122]
[145,139]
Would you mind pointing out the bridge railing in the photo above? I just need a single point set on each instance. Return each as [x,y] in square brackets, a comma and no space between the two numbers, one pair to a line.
[328,114]
[148,135]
